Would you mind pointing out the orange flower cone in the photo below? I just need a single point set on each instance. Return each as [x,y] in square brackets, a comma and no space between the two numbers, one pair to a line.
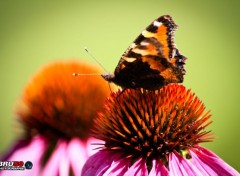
[56,99]
[155,133]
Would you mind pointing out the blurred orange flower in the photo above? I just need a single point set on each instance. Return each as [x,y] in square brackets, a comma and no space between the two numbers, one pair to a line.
[57,111]
[56,101]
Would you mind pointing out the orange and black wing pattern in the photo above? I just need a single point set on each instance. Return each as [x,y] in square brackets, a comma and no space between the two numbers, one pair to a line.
[152,60]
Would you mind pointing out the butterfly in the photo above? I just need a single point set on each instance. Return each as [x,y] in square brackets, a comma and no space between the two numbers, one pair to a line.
[152,60]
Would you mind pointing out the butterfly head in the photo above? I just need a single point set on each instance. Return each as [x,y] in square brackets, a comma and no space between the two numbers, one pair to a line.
[124,82]
[108,77]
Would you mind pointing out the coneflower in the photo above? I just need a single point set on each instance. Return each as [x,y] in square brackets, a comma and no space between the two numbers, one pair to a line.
[57,112]
[154,133]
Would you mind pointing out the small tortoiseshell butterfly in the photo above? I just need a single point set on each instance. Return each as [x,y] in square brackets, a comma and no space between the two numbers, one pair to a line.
[152,60]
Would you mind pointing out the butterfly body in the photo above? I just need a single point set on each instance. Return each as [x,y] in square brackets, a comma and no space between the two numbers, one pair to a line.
[152,60]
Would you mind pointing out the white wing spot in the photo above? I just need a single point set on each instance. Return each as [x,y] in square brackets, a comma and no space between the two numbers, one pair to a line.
[144,43]
[157,23]
[129,59]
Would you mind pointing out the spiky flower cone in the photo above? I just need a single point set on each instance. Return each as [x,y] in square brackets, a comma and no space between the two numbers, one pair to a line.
[151,133]
[152,124]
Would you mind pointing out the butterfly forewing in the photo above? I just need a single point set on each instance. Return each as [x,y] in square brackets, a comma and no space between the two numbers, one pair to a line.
[152,60]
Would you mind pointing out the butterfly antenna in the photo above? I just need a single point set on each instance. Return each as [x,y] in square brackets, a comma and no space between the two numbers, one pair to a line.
[87,74]
[94,58]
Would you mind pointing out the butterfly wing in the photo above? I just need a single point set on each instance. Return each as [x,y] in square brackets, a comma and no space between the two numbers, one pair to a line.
[152,60]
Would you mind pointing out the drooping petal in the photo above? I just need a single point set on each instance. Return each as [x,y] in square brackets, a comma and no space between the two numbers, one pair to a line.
[204,168]
[138,168]
[93,145]
[210,162]
[31,152]
[98,163]
[21,143]
[179,166]
[77,155]
[53,165]
[158,169]
[118,167]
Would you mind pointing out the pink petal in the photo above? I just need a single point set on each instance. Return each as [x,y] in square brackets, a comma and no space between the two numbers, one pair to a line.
[93,145]
[98,163]
[180,166]
[20,143]
[64,166]
[55,162]
[77,154]
[118,167]
[211,163]
[139,168]
[204,168]
[31,152]
[158,169]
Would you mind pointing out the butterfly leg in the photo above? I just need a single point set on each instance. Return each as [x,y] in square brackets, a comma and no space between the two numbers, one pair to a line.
[117,97]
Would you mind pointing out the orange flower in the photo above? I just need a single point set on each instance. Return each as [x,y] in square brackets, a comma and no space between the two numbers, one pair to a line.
[57,110]
[55,101]
[154,133]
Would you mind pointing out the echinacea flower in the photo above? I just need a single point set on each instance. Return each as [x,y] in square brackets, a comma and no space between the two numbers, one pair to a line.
[154,133]
[57,111]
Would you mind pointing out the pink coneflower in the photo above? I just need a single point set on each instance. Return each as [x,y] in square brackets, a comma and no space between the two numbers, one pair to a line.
[154,133]
[57,112]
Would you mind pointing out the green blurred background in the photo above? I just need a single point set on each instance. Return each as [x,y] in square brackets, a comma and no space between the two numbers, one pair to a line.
[33,33]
